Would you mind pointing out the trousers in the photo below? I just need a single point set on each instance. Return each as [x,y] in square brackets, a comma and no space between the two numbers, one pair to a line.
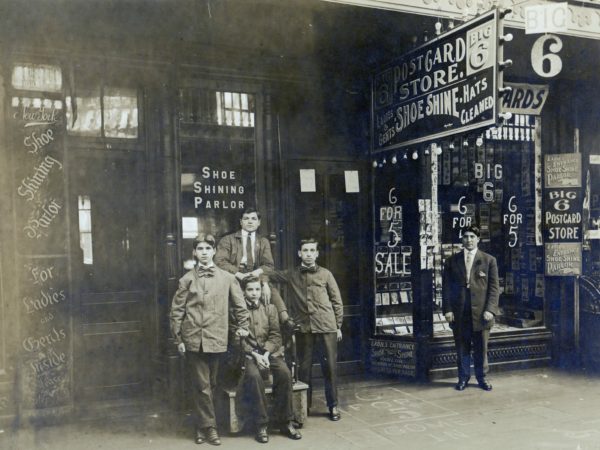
[251,401]
[325,345]
[467,340]
[203,370]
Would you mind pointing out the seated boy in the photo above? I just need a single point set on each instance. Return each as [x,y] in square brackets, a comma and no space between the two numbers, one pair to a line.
[264,351]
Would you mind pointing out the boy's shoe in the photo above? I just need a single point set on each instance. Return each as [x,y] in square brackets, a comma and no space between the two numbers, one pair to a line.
[334,413]
[484,384]
[291,432]
[212,437]
[261,434]
[200,436]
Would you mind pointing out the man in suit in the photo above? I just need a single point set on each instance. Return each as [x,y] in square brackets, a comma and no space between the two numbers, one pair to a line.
[246,254]
[470,302]
[207,296]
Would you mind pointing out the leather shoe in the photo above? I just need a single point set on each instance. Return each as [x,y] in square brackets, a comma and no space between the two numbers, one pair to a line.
[291,432]
[461,385]
[334,413]
[200,436]
[212,437]
[483,384]
[261,434]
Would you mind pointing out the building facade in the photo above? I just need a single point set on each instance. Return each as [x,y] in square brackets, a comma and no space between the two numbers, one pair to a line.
[127,130]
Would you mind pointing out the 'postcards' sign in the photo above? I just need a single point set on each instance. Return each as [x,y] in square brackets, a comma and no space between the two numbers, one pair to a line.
[444,87]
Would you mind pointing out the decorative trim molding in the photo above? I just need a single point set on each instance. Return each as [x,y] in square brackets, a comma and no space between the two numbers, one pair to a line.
[584,18]
[499,354]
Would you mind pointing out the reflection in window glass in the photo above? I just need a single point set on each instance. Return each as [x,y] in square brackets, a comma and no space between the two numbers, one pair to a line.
[84,118]
[120,113]
[37,77]
[84,206]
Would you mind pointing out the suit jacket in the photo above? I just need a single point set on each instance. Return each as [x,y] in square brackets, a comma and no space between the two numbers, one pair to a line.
[201,310]
[230,251]
[484,288]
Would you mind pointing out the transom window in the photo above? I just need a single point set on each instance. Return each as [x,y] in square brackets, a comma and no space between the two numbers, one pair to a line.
[235,109]
[37,77]
[209,107]
[103,112]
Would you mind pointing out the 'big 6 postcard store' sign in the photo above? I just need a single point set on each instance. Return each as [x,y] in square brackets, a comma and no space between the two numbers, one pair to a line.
[444,87]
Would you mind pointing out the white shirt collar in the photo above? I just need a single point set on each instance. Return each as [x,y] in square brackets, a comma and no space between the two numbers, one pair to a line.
[247,233]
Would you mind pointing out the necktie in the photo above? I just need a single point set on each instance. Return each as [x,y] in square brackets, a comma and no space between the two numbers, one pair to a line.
[305,269]
[249,256]
[469,265]
[251,305]
[206,271]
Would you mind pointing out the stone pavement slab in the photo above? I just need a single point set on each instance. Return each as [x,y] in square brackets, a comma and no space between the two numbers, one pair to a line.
[529,409]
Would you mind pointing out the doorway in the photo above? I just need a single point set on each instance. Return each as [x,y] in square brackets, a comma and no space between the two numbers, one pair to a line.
[112,272]
[327,200]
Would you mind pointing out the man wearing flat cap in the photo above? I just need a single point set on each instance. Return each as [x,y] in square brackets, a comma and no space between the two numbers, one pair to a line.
[470,302]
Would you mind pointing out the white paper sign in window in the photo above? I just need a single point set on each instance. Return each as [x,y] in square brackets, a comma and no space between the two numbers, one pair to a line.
[351,177]
[307,180]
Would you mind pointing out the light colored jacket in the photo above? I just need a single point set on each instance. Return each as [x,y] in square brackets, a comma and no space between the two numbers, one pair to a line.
[265,335]
[315,302]
[201,310]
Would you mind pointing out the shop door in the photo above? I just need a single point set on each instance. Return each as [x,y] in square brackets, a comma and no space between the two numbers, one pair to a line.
[112,268]
[335,212]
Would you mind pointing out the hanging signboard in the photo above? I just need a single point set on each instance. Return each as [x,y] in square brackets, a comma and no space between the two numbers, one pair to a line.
[444,87]
[563,214]
[525,98]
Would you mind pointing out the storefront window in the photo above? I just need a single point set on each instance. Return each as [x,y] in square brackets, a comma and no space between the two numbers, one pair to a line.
[396,219]
[494,181]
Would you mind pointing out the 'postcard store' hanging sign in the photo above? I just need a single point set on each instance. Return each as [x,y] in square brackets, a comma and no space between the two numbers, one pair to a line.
[444,87]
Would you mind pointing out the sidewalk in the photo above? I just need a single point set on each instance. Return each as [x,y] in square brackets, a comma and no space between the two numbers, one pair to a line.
[531,409]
